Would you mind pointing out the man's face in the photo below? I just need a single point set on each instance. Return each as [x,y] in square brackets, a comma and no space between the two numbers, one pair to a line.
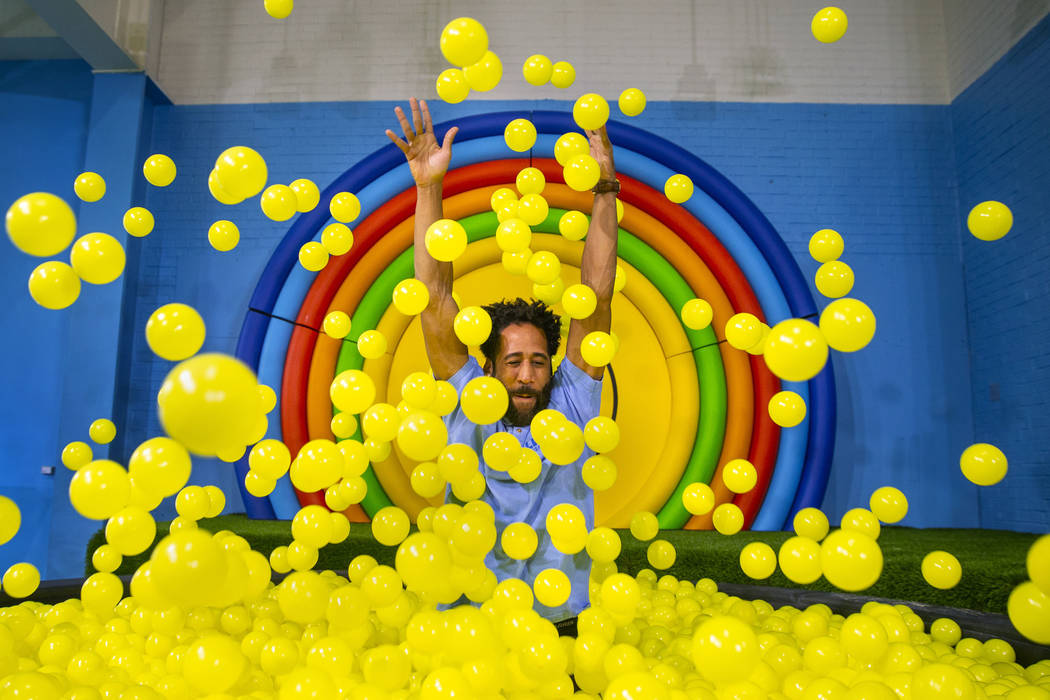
[524,367]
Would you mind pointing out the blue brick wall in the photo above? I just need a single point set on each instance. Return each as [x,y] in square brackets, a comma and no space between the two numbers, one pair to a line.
[43,117]
[883,175]
[1001,128]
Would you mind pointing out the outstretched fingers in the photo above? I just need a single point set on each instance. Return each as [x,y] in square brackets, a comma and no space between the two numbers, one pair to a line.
[428,125]
[449,136]
[417,119]
[397,142]
[405,126]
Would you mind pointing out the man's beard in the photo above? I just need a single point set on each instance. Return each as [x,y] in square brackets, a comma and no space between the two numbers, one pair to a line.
[522,418]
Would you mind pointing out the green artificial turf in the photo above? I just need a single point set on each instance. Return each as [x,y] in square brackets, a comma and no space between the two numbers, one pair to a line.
[993,561]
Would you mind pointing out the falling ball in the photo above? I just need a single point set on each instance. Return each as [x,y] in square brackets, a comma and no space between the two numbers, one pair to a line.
[445,240]
[97,258]
[581,172]
[464,41]
[40,224]
[941,570]
[278,9]
[983,464]
[54,285]
[159,170]
[279,202]
[344,207]
[175,331]
[796,350]
[834,279]
[678,188]
[452,86]
[520,135]
[632,102]
[990,221]
[829,25]
[563,75]
[847,324]
[485,74]
[89,186]
[787,409]
[826,245]
[537,70]
[224,235]
[138,221]
[697,314]
[590,111]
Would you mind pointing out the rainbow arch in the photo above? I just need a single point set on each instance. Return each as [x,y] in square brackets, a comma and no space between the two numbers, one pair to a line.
[718,246]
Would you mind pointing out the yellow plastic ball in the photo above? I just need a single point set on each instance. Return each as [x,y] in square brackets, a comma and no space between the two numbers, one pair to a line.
[743,330]
[1029,610]
[941,570]
[551,587]
[697,314]
[278,9]
[598,348]
[581,172]
[224,235]
[829,25]
[811,523]
[826,245]
[834,279]
[698,498]
[421,436]
[661,554]
[97,258]
[371,344]
[279,202]
[728,519]
[579,301]
[484,400]
[89,186]
[131,531]
[464,41]
[54,285]
[337,238]
[75,455]
[888,504]
[216,190]
[543,267]
[485,74]
[644,526]
[99,489]
[452,86]
[599,472]
[678,188]
[537,70]
[787,409]
[10,519]
[411,297]
[21,580]
[799,559]
[160,466]
[519,541]
[241,172]
[175,331]
[344,207]
[106,558]
[573,225]
[848,325]
[159,170]
[352,391]
[632,102]
[990,221]
[213,663]
[313,256]
[851,560]
[563,75]
[445,240]
[533,209]
[336,324]
[472,325]
[567,528]
[390,526]
[209,403]
[530,181]
[513,235]
[569,145]
[620,594]
[940,680]
[40,224]
[520,135]
[725,649]
[758,560]
[983,464]
[795,350]
[590,111]
[739,475]
[307,195]
[861,520]
[138,221]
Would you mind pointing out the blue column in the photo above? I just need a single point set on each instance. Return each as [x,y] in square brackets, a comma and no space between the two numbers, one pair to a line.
[96,339]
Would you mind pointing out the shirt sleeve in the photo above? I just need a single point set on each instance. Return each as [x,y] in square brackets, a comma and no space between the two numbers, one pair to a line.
[460,428]
[578,392]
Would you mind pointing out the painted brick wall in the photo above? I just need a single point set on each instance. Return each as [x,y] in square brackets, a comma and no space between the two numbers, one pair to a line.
[980,32]
[747,50]
[1000,125]
[880,174]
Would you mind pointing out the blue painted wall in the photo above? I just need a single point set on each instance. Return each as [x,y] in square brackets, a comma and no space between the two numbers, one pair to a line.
[1002,141]
[43,120]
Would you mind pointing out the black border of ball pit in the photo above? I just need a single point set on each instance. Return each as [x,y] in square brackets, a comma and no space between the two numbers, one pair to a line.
[979,625]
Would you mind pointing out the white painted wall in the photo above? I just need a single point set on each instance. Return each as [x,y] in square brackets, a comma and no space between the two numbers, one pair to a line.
[128,23]
[231,51]
[979,32]
[19,20]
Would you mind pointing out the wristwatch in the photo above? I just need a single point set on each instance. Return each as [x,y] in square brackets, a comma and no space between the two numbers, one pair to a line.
[604,186]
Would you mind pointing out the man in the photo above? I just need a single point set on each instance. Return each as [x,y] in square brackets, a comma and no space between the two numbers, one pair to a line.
[525,336]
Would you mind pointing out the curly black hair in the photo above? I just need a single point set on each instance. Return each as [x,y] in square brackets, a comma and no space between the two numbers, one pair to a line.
[507,313]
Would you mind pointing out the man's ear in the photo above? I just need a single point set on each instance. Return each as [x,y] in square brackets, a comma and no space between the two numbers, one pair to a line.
[487,368]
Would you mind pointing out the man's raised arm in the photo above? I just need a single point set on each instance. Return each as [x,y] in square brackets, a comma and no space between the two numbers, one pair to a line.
[598,268]
[428,163]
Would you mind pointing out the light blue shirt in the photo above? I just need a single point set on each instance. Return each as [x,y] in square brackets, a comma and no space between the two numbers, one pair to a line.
[578,396]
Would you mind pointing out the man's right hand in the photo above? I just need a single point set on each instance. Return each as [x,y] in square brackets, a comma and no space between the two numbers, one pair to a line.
[427,161]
